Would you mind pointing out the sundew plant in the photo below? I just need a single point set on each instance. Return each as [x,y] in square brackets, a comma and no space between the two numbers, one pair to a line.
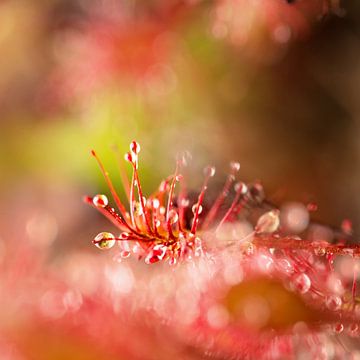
[264,280]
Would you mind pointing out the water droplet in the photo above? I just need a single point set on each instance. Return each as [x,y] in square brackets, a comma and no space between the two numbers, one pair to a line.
[184,202]
[319,250]
[128,157]
[178,177]
[295,217]
[100,201]
[124,235]
[285,266]
[198,251]
[268,222]
[346,227]
[257,192]
[209,171]
[163,186]
[135,147]
[104,240]
[312,206]
[333,302]
[195,208]
[247,248]
[138,210]
[302,283]
[353,328]
[240,186]
[235,166]
[338,328]
[155,203]
[125,254]
[156,254]
[173,216]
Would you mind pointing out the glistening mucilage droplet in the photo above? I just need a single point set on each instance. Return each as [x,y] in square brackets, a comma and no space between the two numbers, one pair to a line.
[104,240]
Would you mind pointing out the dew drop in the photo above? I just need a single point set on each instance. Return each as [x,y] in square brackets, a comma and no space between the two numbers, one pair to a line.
[240,186]
[285,266]
[135,147]
[100,201]
[163,186]
[268,222]
[125,254]
[333,302]
[302,283]
[178,177]
[124,235]
[353,328]
[155,203]
[312,206]
[184,202]
[338,328]
[257,192]
[104,240]
[319,251]
[209,171]
[235,166]
[128,157]
[247,248]
[156,254]
[173,216]
[138,210]
[346,227]
[195,208]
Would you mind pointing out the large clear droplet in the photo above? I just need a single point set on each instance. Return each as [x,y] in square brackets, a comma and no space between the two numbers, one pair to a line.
[302,283]
[268,222]
[104,240]
[100,201]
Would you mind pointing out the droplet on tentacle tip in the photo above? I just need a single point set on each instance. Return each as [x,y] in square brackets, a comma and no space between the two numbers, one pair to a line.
[195,207]
[173,216]
[155,203]
[268,222]
[209,171]
[295,217]
[347,227]
[104,240]
[333,302]
[235,166]
[301,283]
[100,201]
[128,157]
[156,254]
[241,187]
[138,210]
[124,235]
[135,147]
[338,328]
[257,192]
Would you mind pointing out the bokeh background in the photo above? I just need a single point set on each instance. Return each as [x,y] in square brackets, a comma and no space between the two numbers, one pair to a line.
[273,84]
